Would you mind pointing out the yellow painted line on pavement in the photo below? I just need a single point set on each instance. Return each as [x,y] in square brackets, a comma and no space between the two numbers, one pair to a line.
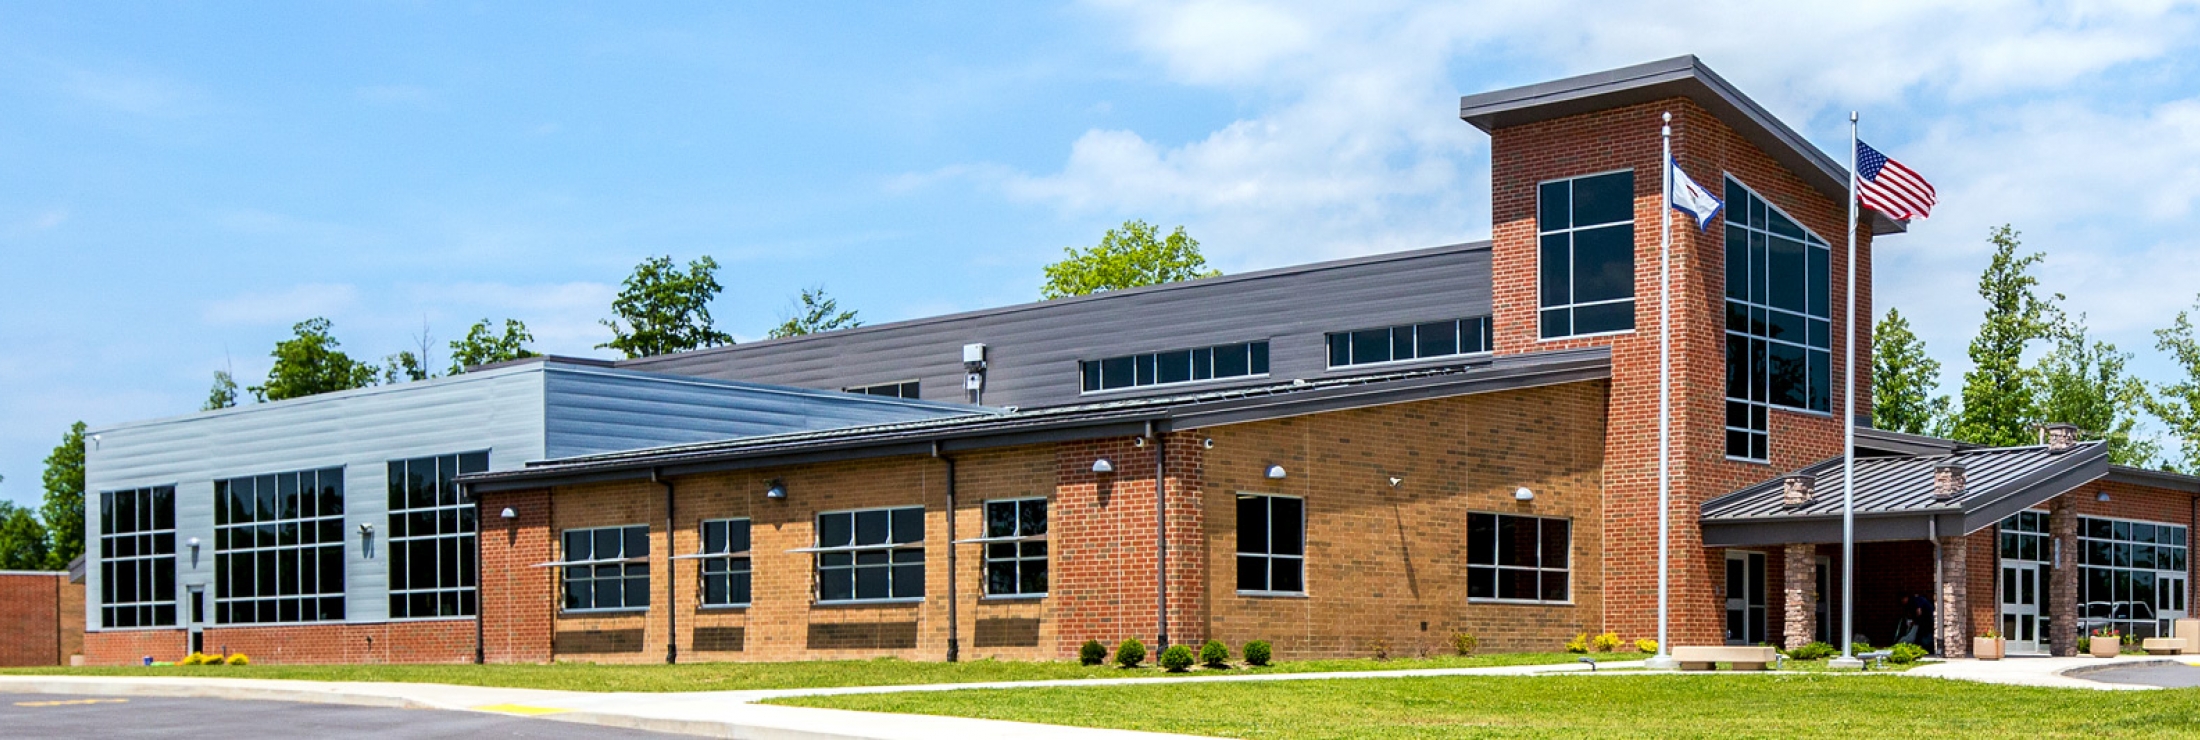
[67,702]
[519,709]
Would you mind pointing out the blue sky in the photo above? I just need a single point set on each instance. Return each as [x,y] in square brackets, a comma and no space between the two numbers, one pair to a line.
[180,182]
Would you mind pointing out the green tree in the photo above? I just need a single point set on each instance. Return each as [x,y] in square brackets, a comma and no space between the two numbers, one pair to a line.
[404,367]
[480,347]
[1903,380]
[813,312]
[1999,405]
[224,393]
[662,310]
[23,540]
[2083,382]
[2177,404]
[1126,258]
[63,507]
[309,363]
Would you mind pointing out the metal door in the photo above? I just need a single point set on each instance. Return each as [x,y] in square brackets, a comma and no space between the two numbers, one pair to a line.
[1745,598]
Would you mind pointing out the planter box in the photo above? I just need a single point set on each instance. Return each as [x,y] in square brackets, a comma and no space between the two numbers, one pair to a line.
[2106,647]
[1988,648]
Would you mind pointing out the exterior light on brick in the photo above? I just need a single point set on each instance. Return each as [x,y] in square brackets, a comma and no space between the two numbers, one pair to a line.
[1275,472]
[1103,466]
[1947,481]
[777,489]
[1797,490]
[1523,494]
[2061,437]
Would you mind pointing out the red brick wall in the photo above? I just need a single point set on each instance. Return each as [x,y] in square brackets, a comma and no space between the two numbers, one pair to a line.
[130,647]
[424,641]
[1627,137]
[517,599]
[72,620]
[1104,532]
[34,620]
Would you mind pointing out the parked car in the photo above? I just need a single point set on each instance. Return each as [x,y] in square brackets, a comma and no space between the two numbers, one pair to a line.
[2133,617]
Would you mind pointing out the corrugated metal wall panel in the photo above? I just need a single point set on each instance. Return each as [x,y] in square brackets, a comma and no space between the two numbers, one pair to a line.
[592,410]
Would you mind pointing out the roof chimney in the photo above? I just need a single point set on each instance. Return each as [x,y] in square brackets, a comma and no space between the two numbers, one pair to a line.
[2061,437]
[1947,480]
[1797,489]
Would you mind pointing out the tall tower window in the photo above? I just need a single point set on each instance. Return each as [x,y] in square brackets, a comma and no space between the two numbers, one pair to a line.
[1585,255]
[1778,320]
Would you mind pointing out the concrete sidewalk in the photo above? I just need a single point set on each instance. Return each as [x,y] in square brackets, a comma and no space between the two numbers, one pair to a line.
[2062,673]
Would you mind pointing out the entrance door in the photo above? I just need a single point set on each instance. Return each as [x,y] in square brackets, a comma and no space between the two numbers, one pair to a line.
[2025,550]
[197,609]
[1745,598]
[1824,603]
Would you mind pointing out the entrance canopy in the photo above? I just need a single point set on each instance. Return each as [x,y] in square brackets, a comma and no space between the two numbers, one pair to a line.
[1894,496]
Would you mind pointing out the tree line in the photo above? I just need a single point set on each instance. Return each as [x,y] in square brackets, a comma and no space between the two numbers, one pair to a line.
[660,309]
[2074,378]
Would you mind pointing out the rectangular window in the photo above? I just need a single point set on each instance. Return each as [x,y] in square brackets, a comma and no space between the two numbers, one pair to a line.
[1219,362]
[137,563]
[1409,342]
[870,555]
[1585,235]
[1518,558]
[2131,577]
[279,548]
[1271,546]
[903,389]
[1016,547]
[606,568]
[431,536]
[1778,320]
[725,562]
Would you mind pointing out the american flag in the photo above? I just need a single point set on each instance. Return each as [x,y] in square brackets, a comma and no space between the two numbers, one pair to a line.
[1888,187]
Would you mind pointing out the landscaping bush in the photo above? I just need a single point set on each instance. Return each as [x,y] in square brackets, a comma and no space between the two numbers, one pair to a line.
[1580,643]
[1381,649]
[193,659]
[1463,643]
[1130,653]
[2085,644]
[1647,645]
[1176,659]
[1093,653]
[239,659]
[1904,653]
[1258,652]
[1859,648]
[1215,654]
[1605,643]
[1811,651]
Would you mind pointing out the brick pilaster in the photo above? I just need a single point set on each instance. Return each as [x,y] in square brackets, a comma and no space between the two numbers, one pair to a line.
[1799,594]
[1954,611]
[517,599]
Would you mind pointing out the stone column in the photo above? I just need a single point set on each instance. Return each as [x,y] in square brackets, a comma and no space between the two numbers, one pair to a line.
[1954,610]
[2062,585]
[1799,595]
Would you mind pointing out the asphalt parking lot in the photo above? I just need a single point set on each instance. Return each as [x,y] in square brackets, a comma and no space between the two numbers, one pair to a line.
[61,716]
[2165,676]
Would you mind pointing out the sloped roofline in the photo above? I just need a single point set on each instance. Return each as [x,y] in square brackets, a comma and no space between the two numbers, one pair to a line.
[1976,509]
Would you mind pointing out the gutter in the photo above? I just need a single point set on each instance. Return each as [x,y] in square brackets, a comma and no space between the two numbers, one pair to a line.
[481,651]
[954,624]
[672,612]
[1161,530]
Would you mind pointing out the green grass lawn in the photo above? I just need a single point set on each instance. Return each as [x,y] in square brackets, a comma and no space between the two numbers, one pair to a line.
[737,676]
[1722,706]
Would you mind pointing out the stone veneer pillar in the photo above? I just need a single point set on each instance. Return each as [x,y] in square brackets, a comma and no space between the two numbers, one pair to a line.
[2062,585]
[1799,595]
[1954,610]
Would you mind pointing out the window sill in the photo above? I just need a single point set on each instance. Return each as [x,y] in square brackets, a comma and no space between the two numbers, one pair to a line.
[154,628]
[604,612]
[1178,384]
[1012,597]
[1520,602]
[722,607]
[453,618]
[1274,594]
[1598,335]
[869,602]
[1432,360]
[1731,458]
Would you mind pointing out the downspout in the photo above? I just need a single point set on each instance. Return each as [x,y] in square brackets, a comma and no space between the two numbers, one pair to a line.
[672,613]
[954,624]
[481,653]
[1161,530]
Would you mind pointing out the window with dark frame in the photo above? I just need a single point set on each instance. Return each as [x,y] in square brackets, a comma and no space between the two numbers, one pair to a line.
[279,548]
[1409,342]
[2131,575]
[1271,546]
[1779,334]
[870,555]
[433,571]
[137,562]
[1016,547]
[725,562]
[1218,362]
[1585,233]
[1519,559]
[902,389]
[606,568]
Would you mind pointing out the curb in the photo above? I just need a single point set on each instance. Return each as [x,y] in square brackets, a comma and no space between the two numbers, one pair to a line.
[2081,671]
[187,691]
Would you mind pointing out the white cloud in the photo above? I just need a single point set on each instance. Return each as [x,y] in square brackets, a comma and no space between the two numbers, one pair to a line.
[284,306]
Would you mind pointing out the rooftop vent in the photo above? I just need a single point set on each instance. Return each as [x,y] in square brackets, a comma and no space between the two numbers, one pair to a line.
[1948,480]
[1798,489]
[2061,437]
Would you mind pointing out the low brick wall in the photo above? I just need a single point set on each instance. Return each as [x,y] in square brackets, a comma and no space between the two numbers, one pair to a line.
[41,617]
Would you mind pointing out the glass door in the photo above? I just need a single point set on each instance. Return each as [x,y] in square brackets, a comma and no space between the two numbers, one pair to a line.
[1745,598]
[2025,569]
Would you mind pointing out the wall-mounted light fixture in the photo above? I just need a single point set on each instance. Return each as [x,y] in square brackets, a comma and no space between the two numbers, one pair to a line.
[1275,472]
[1523,494]
[366,529]
[1138,442]
[2102,496]
[1103,466]
[775,488]
[508,513]
[193,543]
[1208,443]
[1395,480]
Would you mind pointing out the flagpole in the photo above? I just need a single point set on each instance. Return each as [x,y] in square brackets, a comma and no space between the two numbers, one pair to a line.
[1664,659]
[1848,658]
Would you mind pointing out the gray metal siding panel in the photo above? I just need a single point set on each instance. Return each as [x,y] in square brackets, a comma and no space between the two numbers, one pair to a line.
[1034,349]
[594,411]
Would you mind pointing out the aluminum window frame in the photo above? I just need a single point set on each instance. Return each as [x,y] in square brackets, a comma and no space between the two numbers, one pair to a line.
[1499,569]
[1571,305]
[1487,336]
[147,569]
[626,562]
[329,599]
[1268,554]
[1266,353]
[2155,573]
[902,388]
[736,562]
[893,548]
[1019,544]
[458,579]
[1760,409]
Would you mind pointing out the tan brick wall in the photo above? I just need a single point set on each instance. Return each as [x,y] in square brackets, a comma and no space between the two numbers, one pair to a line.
[1627,137]
[1384,561]
[423,641]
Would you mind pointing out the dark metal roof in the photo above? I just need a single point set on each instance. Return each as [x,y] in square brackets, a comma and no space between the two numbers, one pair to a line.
[1894,496]
[1682,76]
[2155,478]
[1882,441]
[1115,418]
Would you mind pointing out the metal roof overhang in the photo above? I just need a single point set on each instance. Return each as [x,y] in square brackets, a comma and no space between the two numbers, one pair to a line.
[1486,377]
[1915,524]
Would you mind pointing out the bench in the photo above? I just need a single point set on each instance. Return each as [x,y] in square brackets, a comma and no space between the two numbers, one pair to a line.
[2164,645]
[1742,657]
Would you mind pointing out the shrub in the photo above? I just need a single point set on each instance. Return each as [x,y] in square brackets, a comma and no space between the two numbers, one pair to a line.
[1605,643]
[1859,648]
[1258,652]
[193,659]
[1463,643]
[1580,643]
[1177,658]
[1215,654]
[239,659]
[1093,653]
[1905,653]
[1130,653]
[1647,645]
[1811,651]
[2085,644]
[1381,649]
